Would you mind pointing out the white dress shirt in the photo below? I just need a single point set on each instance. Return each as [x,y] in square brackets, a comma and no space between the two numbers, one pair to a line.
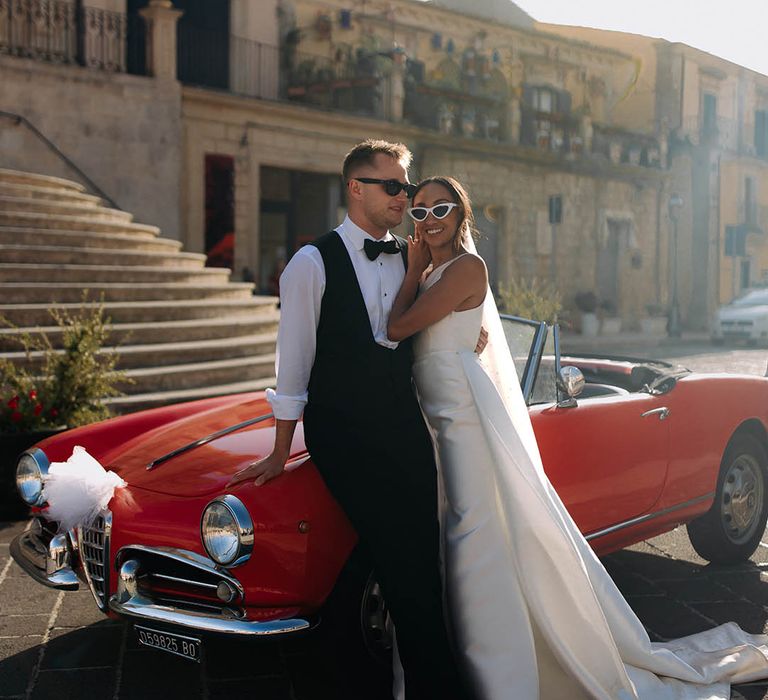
[302,285]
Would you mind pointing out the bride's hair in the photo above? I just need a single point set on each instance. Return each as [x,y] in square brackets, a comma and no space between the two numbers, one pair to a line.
[459,195]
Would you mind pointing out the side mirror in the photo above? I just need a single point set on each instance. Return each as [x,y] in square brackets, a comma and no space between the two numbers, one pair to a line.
[570,381]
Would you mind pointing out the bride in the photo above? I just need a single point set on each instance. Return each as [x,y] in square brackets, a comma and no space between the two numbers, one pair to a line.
[533,612]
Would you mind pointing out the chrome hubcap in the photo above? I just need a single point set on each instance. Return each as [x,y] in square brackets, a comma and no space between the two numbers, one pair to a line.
[375,621]
[742,499]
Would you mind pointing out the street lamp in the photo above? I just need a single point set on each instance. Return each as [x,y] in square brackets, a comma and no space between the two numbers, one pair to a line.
[674,206]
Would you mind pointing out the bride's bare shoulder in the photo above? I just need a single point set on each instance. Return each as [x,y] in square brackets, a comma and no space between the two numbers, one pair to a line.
[468,265]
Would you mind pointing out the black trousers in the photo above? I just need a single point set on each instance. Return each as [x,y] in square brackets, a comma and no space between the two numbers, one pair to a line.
[381,470]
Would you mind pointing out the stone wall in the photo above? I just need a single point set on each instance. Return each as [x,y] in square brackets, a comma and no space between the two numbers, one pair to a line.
[123,131]
[589,200]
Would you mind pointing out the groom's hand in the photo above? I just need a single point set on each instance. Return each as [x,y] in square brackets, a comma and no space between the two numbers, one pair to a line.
[482,341]
[260,472]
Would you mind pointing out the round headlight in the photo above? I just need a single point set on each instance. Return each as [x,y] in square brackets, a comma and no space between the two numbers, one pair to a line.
[30,470]
[227,531]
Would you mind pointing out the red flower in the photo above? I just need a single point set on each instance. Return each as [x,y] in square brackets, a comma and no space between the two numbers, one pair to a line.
[16,416]
[13,404]
[38,409]
[32,395]
[53,413]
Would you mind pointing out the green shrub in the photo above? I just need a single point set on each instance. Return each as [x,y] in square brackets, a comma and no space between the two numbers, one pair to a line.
[533,299]
[68,388]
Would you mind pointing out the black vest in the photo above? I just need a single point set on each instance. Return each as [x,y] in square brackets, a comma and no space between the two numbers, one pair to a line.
[352,374]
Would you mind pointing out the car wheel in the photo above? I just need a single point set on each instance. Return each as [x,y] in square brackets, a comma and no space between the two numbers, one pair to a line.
[355,633]
[375,622]
[730,531]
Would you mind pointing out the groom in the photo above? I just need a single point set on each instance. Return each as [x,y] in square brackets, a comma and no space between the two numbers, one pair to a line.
[362,423]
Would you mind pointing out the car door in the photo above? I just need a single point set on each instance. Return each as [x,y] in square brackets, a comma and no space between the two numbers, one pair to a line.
[606,456]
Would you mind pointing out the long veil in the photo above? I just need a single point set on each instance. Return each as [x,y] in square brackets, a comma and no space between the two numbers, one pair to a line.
[565,584]
[497,359]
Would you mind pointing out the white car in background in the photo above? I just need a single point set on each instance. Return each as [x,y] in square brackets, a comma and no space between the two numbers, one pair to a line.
[745,318]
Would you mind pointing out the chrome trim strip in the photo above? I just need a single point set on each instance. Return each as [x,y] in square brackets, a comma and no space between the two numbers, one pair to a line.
[649,516]
[185,581]
[58,572]
[141,609]
[206,440]
[128,601]
[182,556]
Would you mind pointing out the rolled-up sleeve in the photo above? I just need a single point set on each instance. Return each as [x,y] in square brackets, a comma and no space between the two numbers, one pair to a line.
[301,292]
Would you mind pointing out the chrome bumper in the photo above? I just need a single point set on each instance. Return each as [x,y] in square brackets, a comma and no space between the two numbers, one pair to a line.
[47,561]
[129,602]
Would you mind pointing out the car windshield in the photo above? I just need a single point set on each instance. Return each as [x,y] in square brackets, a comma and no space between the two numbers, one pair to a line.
[757,297]
[521,336]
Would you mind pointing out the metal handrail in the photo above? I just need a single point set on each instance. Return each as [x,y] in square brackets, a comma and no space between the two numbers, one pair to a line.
[19,119]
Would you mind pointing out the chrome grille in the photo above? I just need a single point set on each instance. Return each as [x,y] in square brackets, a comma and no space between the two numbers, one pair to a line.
[94,554]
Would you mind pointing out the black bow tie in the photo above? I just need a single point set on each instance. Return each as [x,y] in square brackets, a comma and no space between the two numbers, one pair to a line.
[375,248]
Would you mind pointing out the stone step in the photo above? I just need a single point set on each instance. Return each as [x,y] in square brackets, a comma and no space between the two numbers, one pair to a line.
[159,355]
[152,311]
[83,209]
[49,194]
[72,255]
[62,222]
[18,177]
[199,374]
[135,241]
[37,293]
[137,402]
[231,326]
[162,355]
[87,275]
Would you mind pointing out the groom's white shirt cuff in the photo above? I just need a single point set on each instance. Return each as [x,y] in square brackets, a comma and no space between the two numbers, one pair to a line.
[302,285]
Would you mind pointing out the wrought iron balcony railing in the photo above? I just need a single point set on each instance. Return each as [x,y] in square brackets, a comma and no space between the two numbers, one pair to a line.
[58,32]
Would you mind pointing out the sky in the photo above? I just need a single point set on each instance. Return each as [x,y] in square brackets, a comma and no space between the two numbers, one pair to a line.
[732,29]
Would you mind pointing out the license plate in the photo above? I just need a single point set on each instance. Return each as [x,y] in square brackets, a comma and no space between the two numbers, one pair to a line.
[186,647]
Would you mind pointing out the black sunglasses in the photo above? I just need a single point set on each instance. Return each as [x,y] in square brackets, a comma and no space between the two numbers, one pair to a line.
[391,187]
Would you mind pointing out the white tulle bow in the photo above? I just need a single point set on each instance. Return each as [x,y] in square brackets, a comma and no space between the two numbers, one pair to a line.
[76,490]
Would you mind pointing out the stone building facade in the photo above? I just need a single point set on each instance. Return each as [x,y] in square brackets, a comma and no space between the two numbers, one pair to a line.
[231,131]
[715,117]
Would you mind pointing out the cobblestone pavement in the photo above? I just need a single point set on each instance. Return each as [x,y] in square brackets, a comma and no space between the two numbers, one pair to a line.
[694,352]
[56,645]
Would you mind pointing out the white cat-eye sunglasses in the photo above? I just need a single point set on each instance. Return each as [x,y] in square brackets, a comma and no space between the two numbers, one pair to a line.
[439,211]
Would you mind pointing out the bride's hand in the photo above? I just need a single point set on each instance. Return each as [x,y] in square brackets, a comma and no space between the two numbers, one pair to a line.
[419,255]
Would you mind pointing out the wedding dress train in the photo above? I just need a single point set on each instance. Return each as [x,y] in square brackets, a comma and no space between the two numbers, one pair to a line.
[534,612]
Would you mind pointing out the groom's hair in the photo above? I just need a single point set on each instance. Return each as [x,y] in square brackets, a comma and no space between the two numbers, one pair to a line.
[365,152]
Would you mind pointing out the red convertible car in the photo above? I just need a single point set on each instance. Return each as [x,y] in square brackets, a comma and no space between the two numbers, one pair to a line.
[633,447]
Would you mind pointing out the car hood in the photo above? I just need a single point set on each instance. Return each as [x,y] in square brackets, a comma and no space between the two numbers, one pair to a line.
[201,469]
[742,313]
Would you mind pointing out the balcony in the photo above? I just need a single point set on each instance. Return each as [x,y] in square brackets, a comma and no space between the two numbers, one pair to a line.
[59,32]
[453,112]
[557,132]
[622,146]
[347,83]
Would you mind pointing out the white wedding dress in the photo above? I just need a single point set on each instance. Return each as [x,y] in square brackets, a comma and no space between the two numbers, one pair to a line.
[534,613]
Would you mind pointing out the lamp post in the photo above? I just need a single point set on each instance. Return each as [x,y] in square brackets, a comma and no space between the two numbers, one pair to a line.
[674,206]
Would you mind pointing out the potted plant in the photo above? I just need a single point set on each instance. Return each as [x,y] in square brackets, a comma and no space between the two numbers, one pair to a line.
[53,389]
[533,299]
[586,302]
[655,323]
[610,323]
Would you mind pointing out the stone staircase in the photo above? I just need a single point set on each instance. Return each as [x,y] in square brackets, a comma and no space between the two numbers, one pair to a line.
[183,331]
